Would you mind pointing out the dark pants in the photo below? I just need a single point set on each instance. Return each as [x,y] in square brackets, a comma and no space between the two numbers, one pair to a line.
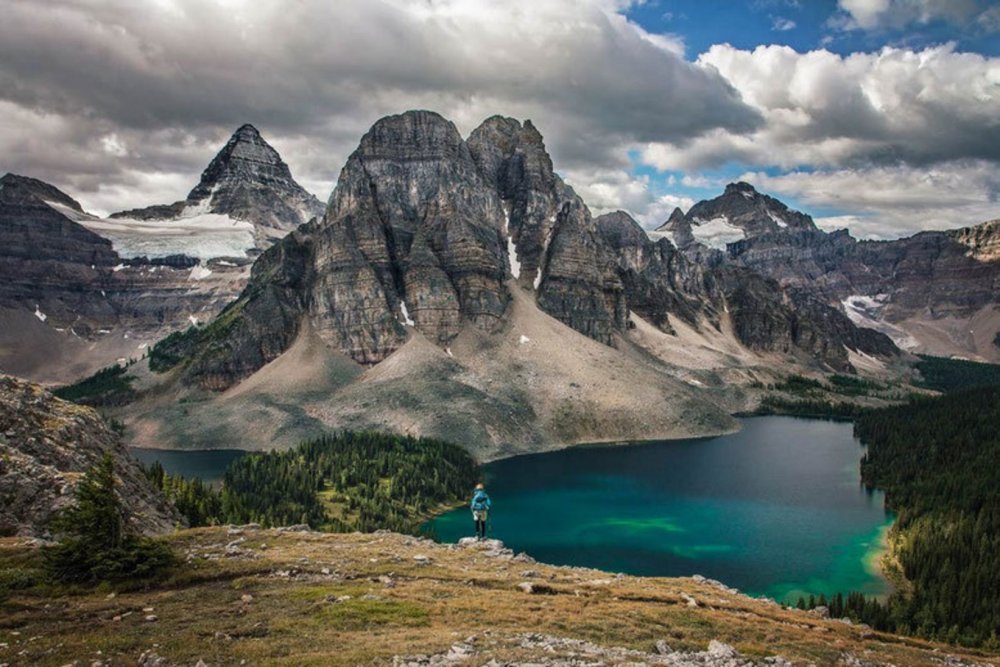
[480,519]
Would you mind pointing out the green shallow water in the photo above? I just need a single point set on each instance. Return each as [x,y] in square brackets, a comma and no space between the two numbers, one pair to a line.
[777,509]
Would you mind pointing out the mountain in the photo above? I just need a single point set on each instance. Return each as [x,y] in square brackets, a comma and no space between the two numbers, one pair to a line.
[662,282]
[465,273]
[70,304]
[246,199]
[738,213]
[935,292]
[80,292]
[46,445]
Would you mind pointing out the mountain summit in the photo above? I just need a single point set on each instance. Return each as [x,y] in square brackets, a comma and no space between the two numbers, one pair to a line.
[738,213]
[247,181]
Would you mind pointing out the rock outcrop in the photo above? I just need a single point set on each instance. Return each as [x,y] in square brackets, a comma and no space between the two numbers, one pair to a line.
[983,241]
[46,446]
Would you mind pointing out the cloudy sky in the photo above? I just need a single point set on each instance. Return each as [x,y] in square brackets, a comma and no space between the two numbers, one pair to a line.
[879,115]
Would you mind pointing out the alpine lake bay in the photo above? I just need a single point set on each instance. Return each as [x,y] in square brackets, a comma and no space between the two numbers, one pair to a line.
[777,509]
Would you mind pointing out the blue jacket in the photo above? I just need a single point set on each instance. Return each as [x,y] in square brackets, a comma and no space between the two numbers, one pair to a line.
[480,501]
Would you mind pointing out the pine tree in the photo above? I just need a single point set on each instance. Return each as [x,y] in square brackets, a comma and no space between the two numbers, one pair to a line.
[95,544]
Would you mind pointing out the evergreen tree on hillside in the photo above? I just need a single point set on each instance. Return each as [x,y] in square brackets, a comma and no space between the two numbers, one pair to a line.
[95,543]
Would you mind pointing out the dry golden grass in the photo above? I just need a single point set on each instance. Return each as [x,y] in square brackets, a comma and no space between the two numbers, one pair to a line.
[298,612]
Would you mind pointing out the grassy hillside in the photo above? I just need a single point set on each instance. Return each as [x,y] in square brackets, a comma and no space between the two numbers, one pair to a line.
[292,598]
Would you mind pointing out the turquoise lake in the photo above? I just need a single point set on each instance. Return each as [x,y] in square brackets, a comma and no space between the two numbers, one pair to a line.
[777,509]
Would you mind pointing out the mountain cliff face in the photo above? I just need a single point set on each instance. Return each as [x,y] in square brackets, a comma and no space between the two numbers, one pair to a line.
[48,263]
[46,445]
[246,181]
[425,230]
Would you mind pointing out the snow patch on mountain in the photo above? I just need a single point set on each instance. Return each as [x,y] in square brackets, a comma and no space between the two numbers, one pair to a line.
[866,311]
[204,236]
[716,233]
[515,265]
[407,320]
[199,272]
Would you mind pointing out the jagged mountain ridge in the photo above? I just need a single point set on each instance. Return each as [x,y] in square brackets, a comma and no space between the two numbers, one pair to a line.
[663,282]
[424,230]
[935,292]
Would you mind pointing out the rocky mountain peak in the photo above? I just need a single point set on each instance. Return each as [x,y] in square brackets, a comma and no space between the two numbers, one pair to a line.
[739,213]
[245,157]
[678,227]
[742,188]
[247,181]
[620,230]
[418,134]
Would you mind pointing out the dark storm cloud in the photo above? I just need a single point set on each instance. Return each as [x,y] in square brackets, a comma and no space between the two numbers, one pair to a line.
[146,78]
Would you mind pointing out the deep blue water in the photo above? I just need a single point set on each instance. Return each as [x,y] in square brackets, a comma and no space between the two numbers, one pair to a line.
[776,509]
[209,465]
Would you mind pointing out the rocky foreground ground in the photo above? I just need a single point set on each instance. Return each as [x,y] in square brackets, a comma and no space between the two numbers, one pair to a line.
[248,596]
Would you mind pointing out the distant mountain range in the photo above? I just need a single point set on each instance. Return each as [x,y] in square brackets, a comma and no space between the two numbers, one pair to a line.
[457,287]
[935,292]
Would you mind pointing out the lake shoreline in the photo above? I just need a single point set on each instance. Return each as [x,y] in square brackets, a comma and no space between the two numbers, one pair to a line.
[778,503]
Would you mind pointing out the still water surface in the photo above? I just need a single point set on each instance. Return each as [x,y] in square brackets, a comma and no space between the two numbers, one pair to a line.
[777,509]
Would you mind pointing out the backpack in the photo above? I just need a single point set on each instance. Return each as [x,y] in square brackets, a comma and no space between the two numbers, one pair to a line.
[480,502]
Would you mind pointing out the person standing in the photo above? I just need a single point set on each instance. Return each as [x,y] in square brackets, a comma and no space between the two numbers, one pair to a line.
[480,505]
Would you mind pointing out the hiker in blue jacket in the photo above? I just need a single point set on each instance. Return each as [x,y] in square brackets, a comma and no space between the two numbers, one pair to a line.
[480,507]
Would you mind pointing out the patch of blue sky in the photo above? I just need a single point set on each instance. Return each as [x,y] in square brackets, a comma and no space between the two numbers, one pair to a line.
[803,25]
[709,183]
